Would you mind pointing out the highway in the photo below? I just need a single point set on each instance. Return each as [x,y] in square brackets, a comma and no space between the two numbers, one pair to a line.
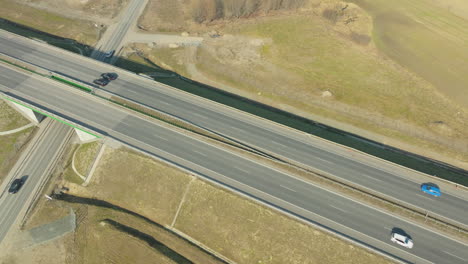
[303,199]
[368,172]
[35,165]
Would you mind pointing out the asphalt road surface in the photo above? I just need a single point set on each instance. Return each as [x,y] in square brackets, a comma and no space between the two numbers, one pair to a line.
[114,40]
[384,178]
[33,166]
[303,199]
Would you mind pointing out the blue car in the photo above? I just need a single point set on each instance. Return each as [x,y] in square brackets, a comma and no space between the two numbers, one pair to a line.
[431,189]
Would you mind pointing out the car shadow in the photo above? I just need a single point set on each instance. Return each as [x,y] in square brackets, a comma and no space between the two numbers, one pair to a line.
[400,231]
[24,178]
[430,184]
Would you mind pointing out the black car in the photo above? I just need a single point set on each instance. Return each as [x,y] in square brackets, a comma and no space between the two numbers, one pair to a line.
[16,185]
[101,81]
[109,76]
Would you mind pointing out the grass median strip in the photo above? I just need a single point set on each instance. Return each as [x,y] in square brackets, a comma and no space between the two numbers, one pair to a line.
[72,83]
[181,124]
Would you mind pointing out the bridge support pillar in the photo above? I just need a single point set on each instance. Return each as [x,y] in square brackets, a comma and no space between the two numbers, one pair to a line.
[32,116]
[85,137]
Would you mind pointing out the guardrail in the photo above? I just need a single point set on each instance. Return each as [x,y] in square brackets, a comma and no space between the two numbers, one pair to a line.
[363,190]
[51,115]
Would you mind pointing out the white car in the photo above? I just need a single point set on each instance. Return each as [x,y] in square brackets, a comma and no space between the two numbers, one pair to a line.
[402,240]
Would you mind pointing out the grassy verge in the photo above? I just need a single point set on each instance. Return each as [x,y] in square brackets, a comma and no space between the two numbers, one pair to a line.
[250,233]
[171,59]
[85,156]
[72,84]
[9,118]
[68,173]
[11,146]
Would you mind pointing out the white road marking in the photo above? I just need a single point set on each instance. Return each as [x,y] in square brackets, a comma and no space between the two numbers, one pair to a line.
[242,170]
[236,128]
[287,188]
[339,209]
[324,160]
[278,143]
[388,228]
[424,196]
[161,137]
[199,115]
[370,177]
[454,255]
[203,154]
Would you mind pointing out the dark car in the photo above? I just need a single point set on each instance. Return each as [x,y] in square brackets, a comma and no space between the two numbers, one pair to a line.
[109,54]
[109,76]
[16,185]
[101,81]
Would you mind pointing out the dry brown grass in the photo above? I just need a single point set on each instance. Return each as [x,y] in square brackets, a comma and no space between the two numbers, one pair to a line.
[156,189]
[211,215]
[80,30]
[163,16]
[85,156]
[11,146]
[10,118]
[247,232]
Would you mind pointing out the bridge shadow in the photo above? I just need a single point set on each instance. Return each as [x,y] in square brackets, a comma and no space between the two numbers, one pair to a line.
[386,152]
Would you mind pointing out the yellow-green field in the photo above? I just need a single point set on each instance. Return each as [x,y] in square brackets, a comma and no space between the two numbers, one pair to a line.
[10,118]
[395,70]
[12,143]
[42,20]
[428,38]
[85,156]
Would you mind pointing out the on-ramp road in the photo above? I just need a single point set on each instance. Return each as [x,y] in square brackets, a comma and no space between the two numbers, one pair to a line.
[34,166]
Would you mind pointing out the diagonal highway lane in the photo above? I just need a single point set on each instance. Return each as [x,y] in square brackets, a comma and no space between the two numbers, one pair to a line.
[294,195]
[35,164]
[316,154]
